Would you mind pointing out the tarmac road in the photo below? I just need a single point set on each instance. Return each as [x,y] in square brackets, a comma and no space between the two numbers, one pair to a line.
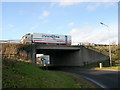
[103,78]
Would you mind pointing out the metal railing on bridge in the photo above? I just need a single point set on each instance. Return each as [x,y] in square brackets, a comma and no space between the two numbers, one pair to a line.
[10,41]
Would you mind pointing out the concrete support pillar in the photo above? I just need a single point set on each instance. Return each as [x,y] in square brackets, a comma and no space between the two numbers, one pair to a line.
[33,56]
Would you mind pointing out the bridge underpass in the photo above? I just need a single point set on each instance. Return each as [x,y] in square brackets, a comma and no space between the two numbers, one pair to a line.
[62,55]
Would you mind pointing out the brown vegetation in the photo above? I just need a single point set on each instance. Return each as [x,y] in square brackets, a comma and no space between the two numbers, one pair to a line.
[14,51]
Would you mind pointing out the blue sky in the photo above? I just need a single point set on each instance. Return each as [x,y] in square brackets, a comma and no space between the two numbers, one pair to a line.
[81,20]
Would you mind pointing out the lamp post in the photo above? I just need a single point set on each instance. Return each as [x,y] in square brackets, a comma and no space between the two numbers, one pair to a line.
[109,43]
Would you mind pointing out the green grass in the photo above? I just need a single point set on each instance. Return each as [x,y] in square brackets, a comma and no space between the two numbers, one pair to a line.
[104,66]
[18,74]
[112,67]
[115,68]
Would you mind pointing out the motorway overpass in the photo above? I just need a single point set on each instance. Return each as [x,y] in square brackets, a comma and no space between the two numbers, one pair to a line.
[63,55]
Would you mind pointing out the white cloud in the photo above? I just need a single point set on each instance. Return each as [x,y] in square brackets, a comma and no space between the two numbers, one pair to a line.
[44,16]
[68,3]
[94,35]
[78,34]
[106,0]
[59,0]
[100,37]
[93,7]
[71,24]
[45,13]
[75,2]
[109,4]
[75,31]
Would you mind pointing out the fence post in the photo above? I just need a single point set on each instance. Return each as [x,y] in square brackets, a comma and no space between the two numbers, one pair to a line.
[100,64]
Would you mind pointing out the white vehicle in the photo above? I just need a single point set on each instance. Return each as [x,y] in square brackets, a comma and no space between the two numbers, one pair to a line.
[53,39]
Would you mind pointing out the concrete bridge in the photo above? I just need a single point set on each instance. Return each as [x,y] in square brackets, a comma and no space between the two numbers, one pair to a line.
[63,55]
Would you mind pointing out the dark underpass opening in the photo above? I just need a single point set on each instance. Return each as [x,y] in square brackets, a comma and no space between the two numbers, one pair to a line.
[58,58]
[61,56]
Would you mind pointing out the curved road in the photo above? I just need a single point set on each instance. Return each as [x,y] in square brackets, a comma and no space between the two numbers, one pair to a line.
[103,78]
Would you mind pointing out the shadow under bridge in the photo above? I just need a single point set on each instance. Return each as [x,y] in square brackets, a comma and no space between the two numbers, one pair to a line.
[61,55]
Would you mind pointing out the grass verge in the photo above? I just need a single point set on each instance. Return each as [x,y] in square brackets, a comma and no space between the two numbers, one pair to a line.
[111,68]
[19,74]
[105,66]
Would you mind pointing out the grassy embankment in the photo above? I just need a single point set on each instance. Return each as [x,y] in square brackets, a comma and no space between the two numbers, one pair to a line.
[19,74]
[115,52]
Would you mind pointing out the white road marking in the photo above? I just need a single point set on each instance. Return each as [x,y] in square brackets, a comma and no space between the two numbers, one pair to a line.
[103,86]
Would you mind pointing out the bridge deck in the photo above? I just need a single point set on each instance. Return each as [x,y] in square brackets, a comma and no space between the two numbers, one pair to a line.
[58,47]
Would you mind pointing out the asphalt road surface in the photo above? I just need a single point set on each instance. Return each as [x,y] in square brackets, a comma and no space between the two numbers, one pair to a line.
[103,78]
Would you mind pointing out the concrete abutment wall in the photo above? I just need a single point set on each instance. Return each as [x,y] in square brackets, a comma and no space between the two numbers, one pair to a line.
[91,56]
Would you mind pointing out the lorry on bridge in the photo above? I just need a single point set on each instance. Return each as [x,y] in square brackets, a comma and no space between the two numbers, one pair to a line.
[41,38]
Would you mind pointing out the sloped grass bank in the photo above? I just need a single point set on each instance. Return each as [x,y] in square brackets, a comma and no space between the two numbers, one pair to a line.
[19,74]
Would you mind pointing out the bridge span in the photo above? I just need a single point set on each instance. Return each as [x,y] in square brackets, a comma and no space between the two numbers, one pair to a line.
[63,55]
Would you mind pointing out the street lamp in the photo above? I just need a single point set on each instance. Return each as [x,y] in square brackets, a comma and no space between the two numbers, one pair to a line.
[109,43]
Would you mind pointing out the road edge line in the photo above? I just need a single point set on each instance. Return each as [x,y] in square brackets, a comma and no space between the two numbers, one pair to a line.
[102,86]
